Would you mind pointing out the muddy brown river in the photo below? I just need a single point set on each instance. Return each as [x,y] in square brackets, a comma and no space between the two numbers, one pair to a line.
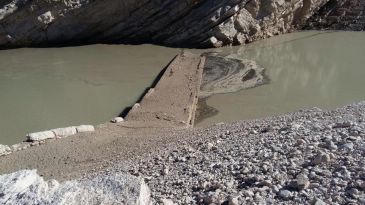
[306,69]
[44,88]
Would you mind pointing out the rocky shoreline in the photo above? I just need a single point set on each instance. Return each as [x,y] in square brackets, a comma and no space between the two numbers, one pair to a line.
[307,157]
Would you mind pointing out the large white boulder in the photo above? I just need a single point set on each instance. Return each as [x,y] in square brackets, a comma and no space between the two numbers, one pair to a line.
[27,187]
[39,136]
[65,132]
[117,120]
[85,128]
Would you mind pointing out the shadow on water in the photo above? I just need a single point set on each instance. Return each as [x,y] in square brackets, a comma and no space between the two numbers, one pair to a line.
[204,110]
[126,110]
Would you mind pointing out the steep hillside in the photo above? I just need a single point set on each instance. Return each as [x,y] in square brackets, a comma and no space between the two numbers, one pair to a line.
[181,23]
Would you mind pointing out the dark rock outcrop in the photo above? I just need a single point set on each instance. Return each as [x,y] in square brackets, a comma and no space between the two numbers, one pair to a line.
[182,23]
[340,15]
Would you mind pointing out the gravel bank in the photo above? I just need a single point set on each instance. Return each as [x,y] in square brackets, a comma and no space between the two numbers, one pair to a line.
[307,157]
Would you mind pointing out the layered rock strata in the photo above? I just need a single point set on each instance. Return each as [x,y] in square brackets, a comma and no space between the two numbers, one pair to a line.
[340,15]
[192,23]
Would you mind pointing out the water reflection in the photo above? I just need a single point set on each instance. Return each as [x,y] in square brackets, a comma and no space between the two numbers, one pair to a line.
[306,69]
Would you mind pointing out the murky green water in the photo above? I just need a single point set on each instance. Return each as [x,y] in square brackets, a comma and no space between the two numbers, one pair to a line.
[306,69]
[55,87]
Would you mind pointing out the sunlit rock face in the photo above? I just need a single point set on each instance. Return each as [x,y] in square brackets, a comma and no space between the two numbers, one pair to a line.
[27,187]
[188,23]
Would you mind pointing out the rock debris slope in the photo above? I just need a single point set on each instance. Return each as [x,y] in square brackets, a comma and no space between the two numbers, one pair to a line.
[309,157]
[188,23]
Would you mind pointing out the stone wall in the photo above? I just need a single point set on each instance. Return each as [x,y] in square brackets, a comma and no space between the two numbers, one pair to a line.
[180,23]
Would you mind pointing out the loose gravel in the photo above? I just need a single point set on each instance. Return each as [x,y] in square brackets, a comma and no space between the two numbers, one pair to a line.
[308,157]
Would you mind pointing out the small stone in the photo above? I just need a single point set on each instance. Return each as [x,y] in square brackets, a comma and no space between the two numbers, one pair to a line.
[328,138]
[85,128]
[285,194]
[248,193]
[361,185]
[354,193]
[233,200]
[331,145]
[276,148]
[167,202]
[321,157]
[348,146]
[254,132]
[210,145]
[342,125]
[117,120]
[296,126]
[275,189]
[245,170]
[46,18]
[211,198]
[165,171]
[318,202]
[230,184]
[302,182]
[34,143]
[300,142]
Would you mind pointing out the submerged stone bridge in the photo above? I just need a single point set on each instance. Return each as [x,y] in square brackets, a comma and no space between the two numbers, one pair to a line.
[173,101]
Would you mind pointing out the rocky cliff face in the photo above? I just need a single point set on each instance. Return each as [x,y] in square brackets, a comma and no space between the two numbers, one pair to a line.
[340,14]
[188,23]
